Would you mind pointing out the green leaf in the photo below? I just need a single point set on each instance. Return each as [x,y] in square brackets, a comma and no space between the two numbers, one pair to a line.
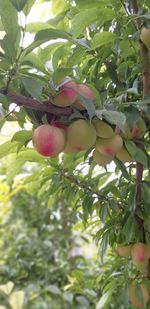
[59,18]
[139,294]
[129,229]
[105,13]
[51,34]
[9,18]
[87,206]
[35,27]
[103,38]
[34,61]
[46,53]
[53,289]
[104,244]
[131,147]
[28,6]
[82,301]
[7,148]
[89,16]
[76,56]
[30,155]
[83,19]
[16,300]
[32,86]
[145,191]
[88,104]
[60,73]
[132,198]
[103,209]
[59,54]
[132,117]
[8,47]
[59,7]
[47,35]
[18,4]
[104,299]
[22,136]
[138,154]
[68,296]
[123,169]
[14,169]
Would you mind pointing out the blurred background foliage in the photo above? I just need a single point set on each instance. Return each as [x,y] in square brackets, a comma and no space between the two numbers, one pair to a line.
[45,249]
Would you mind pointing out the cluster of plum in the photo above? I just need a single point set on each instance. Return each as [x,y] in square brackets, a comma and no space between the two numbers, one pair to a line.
[81,134]
[110,141]
[140,255]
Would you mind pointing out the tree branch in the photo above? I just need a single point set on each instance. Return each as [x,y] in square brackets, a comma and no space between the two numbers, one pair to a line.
[146,92]
[144,54]
[45,106]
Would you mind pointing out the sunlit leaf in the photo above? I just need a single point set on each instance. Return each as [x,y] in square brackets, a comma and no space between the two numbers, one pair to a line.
[47,35]
[16,300]
[9,18]
[22,136]
[7,288]
[7,148]
[104,299]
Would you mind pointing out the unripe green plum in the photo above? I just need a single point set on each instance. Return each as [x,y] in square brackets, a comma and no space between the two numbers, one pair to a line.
[137,131]
[67,94]
[124,251]
[109,146]
[48,140]
[86,92]
[81,135]
[68,149]
[133,296]
[141,126]
[101,159]
[140,255]
[145,36]
[127,134]
[103,129]
[124,156]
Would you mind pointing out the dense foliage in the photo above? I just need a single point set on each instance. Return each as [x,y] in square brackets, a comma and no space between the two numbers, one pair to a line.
[56,210]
